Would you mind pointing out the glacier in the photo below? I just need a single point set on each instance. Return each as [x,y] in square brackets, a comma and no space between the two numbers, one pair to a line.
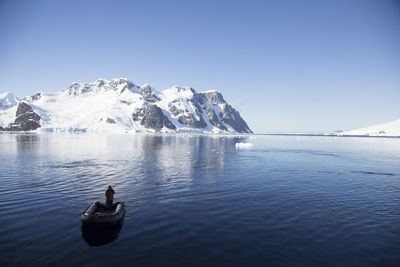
[385,129]
[120,106]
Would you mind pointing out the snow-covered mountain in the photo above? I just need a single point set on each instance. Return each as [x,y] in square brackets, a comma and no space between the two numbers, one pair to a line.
[8,108]
[119,105]
[385,129]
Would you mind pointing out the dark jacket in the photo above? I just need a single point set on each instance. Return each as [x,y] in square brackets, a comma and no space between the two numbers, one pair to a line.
[110,194]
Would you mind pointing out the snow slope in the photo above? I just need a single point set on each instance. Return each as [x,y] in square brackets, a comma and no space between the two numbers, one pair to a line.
[385,129]
[8,108]
[118,106]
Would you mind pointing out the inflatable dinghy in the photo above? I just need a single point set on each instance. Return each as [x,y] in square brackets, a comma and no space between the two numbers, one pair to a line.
[98,213]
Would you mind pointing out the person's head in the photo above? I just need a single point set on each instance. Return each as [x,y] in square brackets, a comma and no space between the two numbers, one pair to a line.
[109,186]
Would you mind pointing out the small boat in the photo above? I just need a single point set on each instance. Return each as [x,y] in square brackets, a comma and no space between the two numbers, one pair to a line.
[98,213]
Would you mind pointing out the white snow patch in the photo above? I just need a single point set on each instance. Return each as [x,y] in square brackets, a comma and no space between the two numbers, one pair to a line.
[385,129]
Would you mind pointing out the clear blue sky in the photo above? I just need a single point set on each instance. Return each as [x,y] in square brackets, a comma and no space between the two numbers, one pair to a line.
[286,65]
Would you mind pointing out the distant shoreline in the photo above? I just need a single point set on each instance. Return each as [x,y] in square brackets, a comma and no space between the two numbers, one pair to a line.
[330,135]
[193,134]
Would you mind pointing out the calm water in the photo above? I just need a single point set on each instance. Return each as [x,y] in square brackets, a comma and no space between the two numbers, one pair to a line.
[201,201]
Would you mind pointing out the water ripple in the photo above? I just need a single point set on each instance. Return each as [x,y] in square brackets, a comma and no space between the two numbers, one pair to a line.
[198,200]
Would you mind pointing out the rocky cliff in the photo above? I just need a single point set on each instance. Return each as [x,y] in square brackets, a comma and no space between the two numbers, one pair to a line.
[26,119]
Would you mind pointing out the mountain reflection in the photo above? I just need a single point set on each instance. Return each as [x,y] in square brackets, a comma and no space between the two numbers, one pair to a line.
[137,166]
[27,142]
[170,156]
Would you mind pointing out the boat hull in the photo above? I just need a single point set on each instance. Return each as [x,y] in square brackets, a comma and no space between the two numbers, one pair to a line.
[92,216]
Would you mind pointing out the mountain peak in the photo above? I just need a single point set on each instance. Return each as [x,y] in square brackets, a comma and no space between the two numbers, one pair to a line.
[120,80]
[177,92]
[7,100]
[101,85]
[214,97]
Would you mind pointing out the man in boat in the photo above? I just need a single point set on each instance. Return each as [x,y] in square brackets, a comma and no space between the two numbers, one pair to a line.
[110,197]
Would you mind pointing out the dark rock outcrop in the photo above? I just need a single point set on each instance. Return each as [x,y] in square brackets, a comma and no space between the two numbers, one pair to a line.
[138,115]
[23,108]
[148,93]
[152,117]
[230,116]
[190,120]
[187,118]
[109,120]
[213,97]
[125,102]
[26,120]
[34,97]
[215,120]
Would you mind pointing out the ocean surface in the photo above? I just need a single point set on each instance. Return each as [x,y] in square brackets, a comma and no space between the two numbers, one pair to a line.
[201,200]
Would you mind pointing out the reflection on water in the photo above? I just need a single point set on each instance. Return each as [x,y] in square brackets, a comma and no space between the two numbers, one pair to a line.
[98,235]
[26,138]
[283,200]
